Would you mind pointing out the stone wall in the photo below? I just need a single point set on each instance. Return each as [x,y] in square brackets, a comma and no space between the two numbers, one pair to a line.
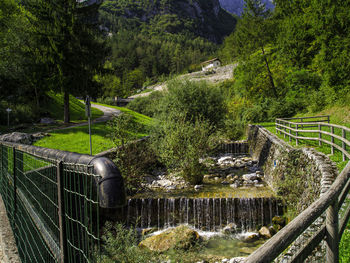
[312,172]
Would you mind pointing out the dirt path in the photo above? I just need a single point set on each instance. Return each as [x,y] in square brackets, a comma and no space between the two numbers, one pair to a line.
[108,113]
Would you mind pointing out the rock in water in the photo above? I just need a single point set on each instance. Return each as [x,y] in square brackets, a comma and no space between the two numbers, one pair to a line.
[180,237]
[265,232]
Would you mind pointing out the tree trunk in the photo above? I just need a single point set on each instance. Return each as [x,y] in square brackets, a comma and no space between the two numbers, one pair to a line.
[66,107]
[269,73]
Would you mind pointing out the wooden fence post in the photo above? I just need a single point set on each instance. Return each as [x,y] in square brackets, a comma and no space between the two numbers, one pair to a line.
[332,140]
[61,213]
[276,123]
[290,133]
[296,134]
[343,144]
[319,135]
[332,237]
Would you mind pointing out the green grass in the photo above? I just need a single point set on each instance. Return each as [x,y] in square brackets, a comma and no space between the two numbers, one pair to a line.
[76,107]
[139,118]
[76,139]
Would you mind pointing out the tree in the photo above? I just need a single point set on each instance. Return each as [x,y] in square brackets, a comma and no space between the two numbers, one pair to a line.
[254,32]
[67,32]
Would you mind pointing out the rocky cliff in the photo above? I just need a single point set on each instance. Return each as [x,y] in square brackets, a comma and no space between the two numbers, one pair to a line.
[236,6]
[203,18]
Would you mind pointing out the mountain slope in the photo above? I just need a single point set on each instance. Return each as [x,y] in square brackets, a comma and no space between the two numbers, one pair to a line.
[236,6]
[204,18]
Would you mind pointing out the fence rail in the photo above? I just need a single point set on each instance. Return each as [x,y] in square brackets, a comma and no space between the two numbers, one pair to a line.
[53,200]
[329,203]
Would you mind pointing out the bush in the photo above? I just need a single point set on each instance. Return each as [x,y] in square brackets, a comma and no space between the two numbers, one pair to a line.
[121,245]
[196,99]
[180,143]
[133,158]
[146,105]
[234,129]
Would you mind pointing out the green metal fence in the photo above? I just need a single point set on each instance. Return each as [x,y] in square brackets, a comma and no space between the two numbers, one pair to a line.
[53,203]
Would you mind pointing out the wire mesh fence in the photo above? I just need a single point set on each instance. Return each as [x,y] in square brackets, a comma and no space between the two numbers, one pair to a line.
[53,207]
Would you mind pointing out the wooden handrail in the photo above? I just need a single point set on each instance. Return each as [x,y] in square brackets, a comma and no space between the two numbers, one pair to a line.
[329,201]
[279,242]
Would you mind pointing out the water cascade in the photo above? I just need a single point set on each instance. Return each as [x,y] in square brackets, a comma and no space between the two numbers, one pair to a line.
[209,214]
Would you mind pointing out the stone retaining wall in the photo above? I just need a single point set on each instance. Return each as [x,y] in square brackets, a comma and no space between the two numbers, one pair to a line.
[313,172]
[279,160]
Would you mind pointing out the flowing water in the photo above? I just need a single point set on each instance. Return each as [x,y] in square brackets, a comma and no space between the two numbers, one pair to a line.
[209,214]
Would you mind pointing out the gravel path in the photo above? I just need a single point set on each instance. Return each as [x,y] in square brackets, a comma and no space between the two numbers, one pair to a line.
[221,74]
[8,248]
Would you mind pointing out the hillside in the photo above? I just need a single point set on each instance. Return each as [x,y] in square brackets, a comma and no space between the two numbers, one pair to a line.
[236,6]
[204,18]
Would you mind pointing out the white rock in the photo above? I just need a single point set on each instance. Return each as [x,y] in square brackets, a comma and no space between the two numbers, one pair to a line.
[198,186]
[234,185]
[250,177]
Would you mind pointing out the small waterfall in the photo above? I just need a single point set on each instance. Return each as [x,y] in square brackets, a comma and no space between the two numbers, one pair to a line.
[210,214]
[235,148]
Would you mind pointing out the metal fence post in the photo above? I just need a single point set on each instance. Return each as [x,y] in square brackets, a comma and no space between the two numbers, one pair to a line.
[332,237]
[61,213]
[14,187]
[343,144]
[319,135]
[332,140]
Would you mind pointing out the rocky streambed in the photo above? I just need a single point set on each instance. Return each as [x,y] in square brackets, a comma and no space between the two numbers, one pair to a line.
[225,218]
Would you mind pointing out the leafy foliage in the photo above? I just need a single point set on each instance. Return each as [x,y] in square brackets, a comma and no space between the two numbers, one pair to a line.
[120,245]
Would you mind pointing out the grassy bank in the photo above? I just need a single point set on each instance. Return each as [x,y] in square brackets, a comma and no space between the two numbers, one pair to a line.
[76,139]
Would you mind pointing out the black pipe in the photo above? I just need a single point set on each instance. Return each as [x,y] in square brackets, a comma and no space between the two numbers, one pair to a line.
[108,180]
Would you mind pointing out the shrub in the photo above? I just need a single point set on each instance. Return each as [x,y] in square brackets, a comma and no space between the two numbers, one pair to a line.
[180,143]
[146,105]
[133,158]
[196,99]
[234,129]
[121,245]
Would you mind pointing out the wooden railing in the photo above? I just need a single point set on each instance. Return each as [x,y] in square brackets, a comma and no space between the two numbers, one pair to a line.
[329,202]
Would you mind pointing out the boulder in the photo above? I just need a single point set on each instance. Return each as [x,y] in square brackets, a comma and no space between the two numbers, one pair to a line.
[251,238]
[230,229]
[250,177]
[234,185]
[17,137]
[226,161]
[198,187]
[225,183]
[181,237]
[265,232]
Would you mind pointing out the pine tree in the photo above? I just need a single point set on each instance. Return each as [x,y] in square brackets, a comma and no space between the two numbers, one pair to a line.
[67,32]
